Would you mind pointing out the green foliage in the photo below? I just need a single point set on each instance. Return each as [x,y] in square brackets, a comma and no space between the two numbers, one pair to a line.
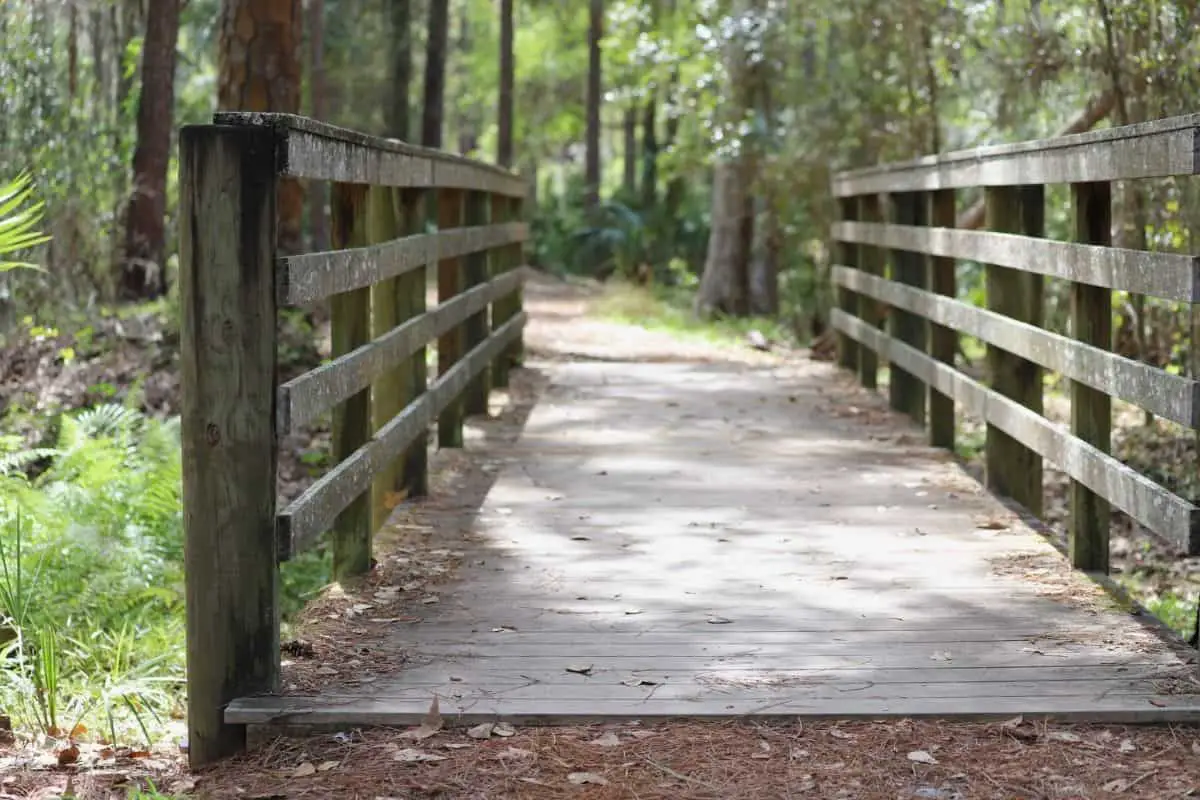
[17,221]
[91,577]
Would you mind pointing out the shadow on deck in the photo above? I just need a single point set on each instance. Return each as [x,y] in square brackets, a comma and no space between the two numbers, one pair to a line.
[721,540]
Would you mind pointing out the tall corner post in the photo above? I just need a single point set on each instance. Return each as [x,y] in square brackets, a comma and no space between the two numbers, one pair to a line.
[1091,409]
[1013,469]
[228,188]
[848,300]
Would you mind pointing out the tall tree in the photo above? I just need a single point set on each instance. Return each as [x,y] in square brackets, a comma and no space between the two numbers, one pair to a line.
[504,114]
[316,104]
[592,156]
[258,69]
[401,63]
[435,73]
[142,270]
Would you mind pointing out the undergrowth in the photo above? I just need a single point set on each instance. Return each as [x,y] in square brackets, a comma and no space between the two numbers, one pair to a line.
[91,579]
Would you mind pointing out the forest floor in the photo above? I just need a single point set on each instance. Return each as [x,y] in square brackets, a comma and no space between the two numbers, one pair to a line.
[678,760]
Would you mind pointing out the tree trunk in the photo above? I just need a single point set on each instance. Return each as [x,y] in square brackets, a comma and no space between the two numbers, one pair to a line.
[468,133]
[675,186]
[592,166]
[258,69]
[435,73]
[724,286]
[650,152]
[629,150]
[398,94]
[319,192]
[143,268]
[72,49]
[504,115]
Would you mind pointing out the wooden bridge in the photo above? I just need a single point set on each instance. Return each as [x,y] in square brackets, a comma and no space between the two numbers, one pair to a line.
[689,538]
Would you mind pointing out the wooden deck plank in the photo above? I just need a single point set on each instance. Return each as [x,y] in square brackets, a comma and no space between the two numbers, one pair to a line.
[719,532]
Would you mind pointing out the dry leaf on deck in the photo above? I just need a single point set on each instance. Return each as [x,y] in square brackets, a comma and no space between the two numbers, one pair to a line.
[921,757]
[580,669]
[580,778]
[431,724]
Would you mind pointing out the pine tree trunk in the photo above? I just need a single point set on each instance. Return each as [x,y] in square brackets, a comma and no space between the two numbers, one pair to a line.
[592,166]
[629,150]
[435,73]
[143,266]
[650,152]
[398,96]
[504,116]
[724,286]
[258,69]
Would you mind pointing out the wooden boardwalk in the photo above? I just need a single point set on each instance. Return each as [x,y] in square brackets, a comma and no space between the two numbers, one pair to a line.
[710,540]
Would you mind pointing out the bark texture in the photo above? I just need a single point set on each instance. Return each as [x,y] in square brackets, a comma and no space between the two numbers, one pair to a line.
[594,82]
[435,73]
[504,116]
[142,270]
[258,69]
[398,99]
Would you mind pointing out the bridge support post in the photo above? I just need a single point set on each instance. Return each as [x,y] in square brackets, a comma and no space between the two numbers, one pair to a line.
[349,329]
[228,189]
[906,392]
[413,207]
[848,301]
[1091,409]
[943,341]
[387,392]
[476,327]
[450,210]
[1013,469]
[870,260]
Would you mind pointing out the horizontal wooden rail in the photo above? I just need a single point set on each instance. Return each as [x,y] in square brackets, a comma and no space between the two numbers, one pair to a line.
[315,276]
[319,151]
[1173,276]
[1153,506]
[307,396]
[1171,396]
[1150,150]
[396,213]
[897,247]
[313,512]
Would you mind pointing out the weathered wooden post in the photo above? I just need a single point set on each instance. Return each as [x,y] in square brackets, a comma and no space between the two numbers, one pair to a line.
[906,392]
[943,341]
[1012,468]
[476,327]
[450,345]
[871,261]
[350,328]
[848,301]
[387,392]
[227,215]
[1091,409]
[410,288]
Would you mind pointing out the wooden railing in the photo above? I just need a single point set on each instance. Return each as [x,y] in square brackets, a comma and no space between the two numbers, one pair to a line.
[396,210]
[904,214]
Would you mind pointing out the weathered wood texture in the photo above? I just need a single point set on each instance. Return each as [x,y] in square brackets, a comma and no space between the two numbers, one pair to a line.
[1174,397]
[906,392]
[1160,511]
[319,151]
[375,385]
[872,260]
[1012,468]
[943,339]
[1173,276]
[847,300]
[1148,150]
[477,211]
[349,326]
[680,567]
[1091,410]
[227,371]
[451,212]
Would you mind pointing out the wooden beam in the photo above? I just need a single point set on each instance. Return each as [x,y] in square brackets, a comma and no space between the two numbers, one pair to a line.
[906,393]
[943,340]
[227,371]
